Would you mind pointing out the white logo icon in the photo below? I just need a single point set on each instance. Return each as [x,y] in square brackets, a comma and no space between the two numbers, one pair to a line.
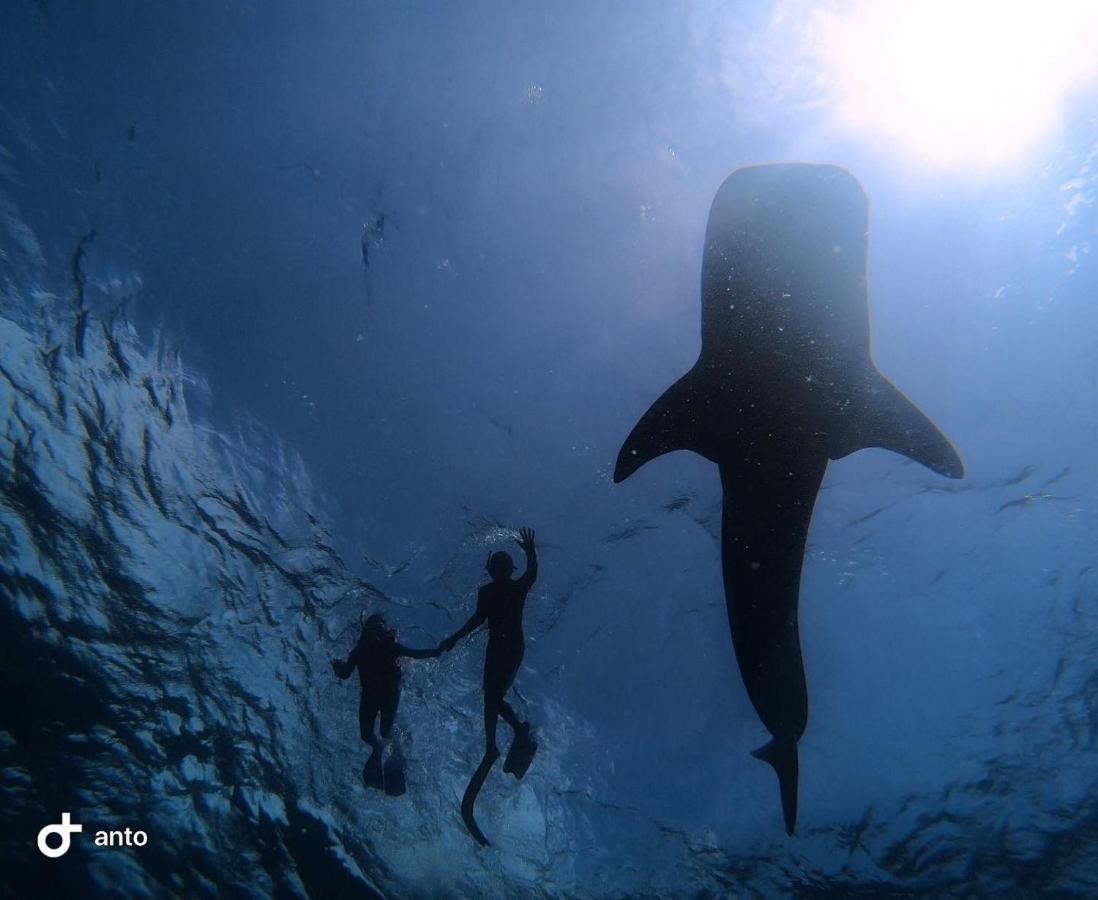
[64,831]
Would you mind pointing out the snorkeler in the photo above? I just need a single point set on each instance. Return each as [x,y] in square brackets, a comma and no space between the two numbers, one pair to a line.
[500,603]
[376,656]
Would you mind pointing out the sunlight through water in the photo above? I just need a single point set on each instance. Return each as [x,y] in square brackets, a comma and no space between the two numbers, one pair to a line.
[971,82]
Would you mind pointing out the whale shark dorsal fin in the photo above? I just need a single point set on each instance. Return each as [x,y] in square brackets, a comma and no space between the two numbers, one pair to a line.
[671,423]
[885,418]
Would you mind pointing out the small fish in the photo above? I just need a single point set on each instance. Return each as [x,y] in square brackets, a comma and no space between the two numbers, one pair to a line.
[502,426]
[1063,473]
[1024,474]
[373,233]
[79,282]
[1028,500]
[867,517]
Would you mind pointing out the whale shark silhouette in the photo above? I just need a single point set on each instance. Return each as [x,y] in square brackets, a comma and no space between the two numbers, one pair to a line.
[784,383]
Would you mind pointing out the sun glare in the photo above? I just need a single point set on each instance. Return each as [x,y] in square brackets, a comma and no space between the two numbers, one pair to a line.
[958,81]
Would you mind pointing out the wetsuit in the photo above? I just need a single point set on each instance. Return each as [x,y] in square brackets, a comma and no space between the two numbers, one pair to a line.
[501,605]
[377,658]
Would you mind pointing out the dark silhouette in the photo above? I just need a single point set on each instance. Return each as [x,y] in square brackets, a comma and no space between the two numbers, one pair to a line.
[785,381]
[377,658]
[500,603]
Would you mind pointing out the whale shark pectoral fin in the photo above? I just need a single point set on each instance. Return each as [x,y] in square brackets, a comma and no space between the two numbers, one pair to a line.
[782,755]
[885,418]
[670,424]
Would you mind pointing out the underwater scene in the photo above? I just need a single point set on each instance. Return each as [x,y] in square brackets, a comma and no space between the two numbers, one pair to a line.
[557,450]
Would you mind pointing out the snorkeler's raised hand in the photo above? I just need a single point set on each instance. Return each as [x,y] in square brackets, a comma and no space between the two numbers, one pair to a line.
[526,540]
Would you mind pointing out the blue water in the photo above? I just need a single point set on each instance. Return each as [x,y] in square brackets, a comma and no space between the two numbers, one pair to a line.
[304,310]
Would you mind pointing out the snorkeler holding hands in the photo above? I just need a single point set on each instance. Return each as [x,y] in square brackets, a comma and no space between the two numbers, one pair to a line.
[500,604]
[377,658]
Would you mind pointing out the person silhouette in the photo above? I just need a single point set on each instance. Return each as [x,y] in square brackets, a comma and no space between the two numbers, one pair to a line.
[500,604]
[377,658]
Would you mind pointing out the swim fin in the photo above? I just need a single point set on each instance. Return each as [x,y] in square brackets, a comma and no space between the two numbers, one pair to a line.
[393,774]
[521,754]
[372,775]
[471,792]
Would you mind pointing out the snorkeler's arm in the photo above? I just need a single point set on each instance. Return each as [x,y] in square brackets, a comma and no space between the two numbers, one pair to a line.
[425,653]
[343,669]
[526,542]
[475,621]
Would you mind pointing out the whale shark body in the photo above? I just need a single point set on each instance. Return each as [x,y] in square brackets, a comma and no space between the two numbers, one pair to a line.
[784,383]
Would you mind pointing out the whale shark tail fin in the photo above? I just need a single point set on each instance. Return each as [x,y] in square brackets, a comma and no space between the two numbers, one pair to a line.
[671,423]
[782,755]
[885,418]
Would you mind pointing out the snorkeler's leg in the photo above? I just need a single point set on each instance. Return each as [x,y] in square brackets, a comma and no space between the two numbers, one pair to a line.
[504,677]
[393,770]
[523,744]
[500,665]
[388,709]
[492,700]
[491,715]
[510,716]
[368,707]
[367,713]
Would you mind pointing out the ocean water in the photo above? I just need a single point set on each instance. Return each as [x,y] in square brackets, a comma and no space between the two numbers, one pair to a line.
[304,310]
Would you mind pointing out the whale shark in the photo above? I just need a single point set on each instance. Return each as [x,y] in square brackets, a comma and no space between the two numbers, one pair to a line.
[785,382]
